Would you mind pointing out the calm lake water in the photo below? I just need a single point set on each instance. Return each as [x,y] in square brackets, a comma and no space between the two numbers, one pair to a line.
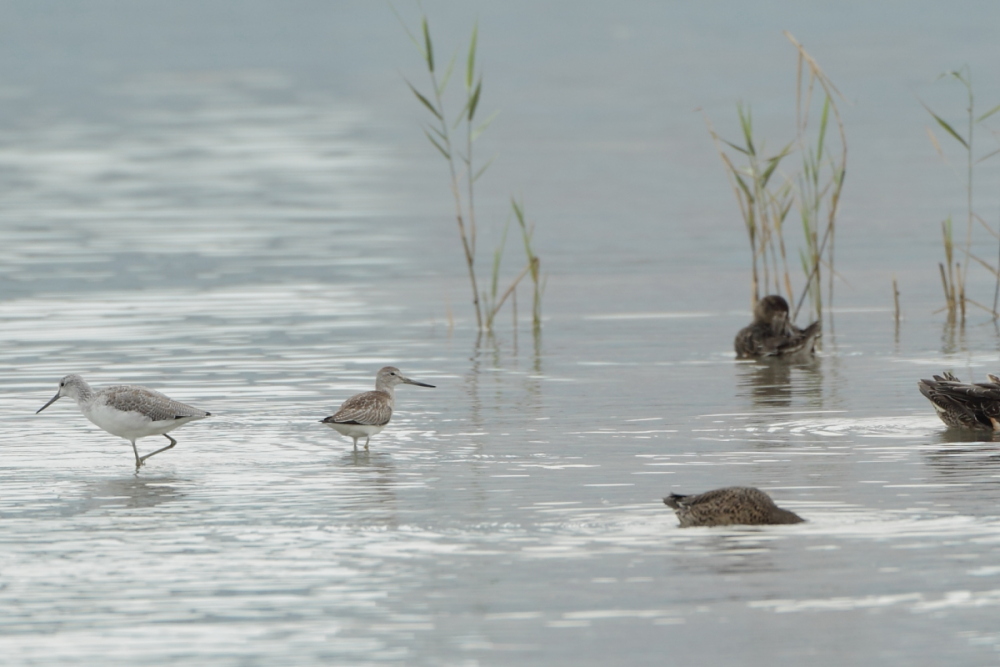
[234,204]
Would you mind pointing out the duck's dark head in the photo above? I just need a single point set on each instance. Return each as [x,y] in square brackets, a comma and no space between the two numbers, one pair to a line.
[772,309]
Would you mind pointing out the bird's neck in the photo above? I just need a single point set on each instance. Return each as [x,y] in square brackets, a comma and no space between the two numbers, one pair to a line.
[386,388]
[84,394]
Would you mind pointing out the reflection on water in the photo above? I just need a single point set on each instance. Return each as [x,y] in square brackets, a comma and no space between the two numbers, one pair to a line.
[496,376]
[774,383]
[744,550]
[953,435]
[372,477]
[131,492]
[956,461]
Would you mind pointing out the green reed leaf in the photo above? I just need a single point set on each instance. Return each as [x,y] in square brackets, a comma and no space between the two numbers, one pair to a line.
[486,123]
[447,75]
[429,53]
[474,99]
[483,169]
[470,65]
[988,114]
[426,102]
[446,154]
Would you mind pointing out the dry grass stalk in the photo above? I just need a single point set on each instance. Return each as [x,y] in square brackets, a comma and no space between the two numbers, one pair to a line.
[957,275]
[765,197]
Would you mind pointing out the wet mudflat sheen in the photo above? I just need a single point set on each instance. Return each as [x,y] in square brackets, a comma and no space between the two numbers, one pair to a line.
[259,234]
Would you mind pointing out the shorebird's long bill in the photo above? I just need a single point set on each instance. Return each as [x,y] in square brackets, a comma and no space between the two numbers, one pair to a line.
[419,384]
[54,399]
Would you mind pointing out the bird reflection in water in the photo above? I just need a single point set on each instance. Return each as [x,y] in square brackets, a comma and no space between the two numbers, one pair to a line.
[735,553]
[372,486]
[774,383]
[130,492]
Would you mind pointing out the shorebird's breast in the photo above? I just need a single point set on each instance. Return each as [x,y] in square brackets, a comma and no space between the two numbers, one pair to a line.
[123,423]
[132,421]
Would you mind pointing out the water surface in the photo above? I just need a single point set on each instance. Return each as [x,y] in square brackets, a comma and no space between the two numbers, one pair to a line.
[255,229]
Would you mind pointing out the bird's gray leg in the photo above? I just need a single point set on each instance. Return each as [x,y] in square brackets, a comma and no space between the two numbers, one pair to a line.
[355,444]
[162,449]
[138,461]
[367,438]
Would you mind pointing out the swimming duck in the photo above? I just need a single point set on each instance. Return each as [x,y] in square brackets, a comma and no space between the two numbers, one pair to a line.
[772,335]
[964,405]
[733,505]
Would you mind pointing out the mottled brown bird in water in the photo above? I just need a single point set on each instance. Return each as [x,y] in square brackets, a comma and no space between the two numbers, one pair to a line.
[964,405]
[771,334]
[363,415]
[733,505]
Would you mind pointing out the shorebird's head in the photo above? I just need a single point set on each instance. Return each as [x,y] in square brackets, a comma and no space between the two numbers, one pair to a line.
[72,386]
[772,309]
[390,376]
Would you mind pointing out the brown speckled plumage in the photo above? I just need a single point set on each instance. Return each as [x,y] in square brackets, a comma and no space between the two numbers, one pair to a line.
[960,404]
[772,335]
[363,415]
[372,407]
[734,505]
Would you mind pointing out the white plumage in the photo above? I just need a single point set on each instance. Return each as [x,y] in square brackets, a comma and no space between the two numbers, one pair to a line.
[128,411]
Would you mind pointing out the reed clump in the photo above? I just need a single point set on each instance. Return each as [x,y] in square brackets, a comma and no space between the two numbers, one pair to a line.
[766,192]
[454,136]
[954,274]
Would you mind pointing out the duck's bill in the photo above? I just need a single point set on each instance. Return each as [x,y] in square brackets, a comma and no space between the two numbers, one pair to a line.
[419,384]
[54,399]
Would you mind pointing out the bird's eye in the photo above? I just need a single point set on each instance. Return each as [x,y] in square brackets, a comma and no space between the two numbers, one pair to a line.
[62,384]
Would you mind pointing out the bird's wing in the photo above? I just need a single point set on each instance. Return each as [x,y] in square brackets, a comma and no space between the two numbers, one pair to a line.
[370,409]
[153,404]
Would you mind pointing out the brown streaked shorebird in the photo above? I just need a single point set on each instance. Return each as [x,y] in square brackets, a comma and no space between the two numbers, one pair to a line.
[960,404]
[128,411]
[771,334]
[365,414]
[733,505]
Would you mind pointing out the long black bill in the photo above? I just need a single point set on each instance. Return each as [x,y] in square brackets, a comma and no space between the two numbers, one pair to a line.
[419,384]
[54,399]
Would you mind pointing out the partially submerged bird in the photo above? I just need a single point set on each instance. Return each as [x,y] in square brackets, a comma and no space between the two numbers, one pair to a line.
[128,411]
[365,414]
[739,505]
[964,405]
[771,334]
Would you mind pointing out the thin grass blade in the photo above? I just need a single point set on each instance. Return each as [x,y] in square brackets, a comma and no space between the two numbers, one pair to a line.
[426,102]
[486,123]
[483,169]
[470,65]
[446,154]
[734,146]
[988,114]
[474,99]
[824,117]
[988,156]
[447,75]
[429,53]
[407,30]
[948,128]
